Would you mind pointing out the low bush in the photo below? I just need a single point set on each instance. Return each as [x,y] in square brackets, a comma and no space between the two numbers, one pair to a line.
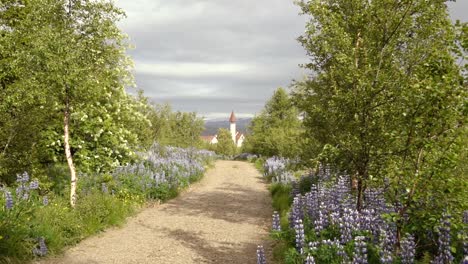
[37,220]
[316,221]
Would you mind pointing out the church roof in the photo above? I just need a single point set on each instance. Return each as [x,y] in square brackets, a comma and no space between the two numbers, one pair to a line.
[208,138]
[238,136]
[233,118]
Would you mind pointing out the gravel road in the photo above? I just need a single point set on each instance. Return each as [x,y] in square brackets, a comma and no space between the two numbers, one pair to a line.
[221,219]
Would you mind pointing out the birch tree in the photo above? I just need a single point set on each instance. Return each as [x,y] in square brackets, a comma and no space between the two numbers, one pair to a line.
[386,99]
[69,56]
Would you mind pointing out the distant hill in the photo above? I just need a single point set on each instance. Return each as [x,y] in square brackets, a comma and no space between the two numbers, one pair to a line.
[212,126]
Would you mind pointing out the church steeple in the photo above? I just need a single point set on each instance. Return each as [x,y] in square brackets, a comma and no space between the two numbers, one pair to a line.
[232,120]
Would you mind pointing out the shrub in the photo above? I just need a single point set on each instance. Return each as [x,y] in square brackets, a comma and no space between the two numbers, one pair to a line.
[319,220]
[33,225]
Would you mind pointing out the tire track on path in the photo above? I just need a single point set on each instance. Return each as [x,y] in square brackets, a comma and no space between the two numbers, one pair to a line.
[221,219]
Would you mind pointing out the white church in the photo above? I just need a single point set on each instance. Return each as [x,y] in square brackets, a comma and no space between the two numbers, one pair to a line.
[237,137]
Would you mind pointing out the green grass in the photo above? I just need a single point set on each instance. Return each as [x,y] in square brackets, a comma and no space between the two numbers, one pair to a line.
[258,163]
[281,202]
[280,194]
[62,226]
[57,223]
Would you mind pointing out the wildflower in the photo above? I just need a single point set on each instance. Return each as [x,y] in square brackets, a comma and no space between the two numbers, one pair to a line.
[386,246]
[276,221]
[34,185]
[23,178]
[408,250]
[360,250]
[297,212]
[321,221]
[42,250]
[104,188]
[342,253]
[310,260]
[45,200]
[313,245]
[9,200]
[261,259]
[295,189]
[22,191]
[465,237]
[444,256]
[300,237]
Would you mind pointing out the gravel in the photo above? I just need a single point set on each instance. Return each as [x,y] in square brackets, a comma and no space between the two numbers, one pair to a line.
[221,219]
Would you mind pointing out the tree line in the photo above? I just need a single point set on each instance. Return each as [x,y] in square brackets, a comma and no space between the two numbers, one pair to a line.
[385,102]
[64,75]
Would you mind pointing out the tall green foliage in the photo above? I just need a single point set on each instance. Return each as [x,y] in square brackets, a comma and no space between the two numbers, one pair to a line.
[225,145]
[181,129]
[64,66]
[387,100]
[277,130]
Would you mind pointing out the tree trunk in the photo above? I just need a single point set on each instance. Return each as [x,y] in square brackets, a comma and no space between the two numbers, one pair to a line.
[360,191]
[362,177]
[66,143]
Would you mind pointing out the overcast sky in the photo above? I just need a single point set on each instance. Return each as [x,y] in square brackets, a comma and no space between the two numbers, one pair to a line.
[214,56]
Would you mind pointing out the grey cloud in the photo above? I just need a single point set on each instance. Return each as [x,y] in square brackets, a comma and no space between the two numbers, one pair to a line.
[260,35]
[459,10]
[161,87]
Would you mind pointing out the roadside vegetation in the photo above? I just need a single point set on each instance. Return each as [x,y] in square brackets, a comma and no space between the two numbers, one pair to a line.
[382,138]
[77,145]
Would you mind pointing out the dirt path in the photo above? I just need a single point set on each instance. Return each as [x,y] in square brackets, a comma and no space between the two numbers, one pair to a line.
[222,219]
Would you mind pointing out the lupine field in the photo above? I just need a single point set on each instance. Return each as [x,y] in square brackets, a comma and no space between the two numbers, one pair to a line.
[322,224]
[36,220]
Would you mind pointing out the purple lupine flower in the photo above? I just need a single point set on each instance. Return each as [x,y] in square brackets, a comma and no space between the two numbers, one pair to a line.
[346,226]
[342,253]
[42,250]
[45,200]
[324,173]
[8,200]
[310,260]
[313,245]
[342,193]
[465,237]
[261,259]
[295,189]
[374,199]
[348,223]
[385,247]
[326,205]
[360,250]
[444,253]
[367,220]
[23,178]
[320,222]
[328,242]
[22,191]
[297,212]
[276,221]
[104,188]
[33,185]
[275,167]
[464,260]
[300,237]
[312,202]
[408,250]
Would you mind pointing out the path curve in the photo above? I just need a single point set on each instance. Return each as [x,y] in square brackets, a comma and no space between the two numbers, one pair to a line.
[221,219]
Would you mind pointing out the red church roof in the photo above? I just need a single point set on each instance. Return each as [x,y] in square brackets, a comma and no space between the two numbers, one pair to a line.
[232,119]
[238,136]
[208,138]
